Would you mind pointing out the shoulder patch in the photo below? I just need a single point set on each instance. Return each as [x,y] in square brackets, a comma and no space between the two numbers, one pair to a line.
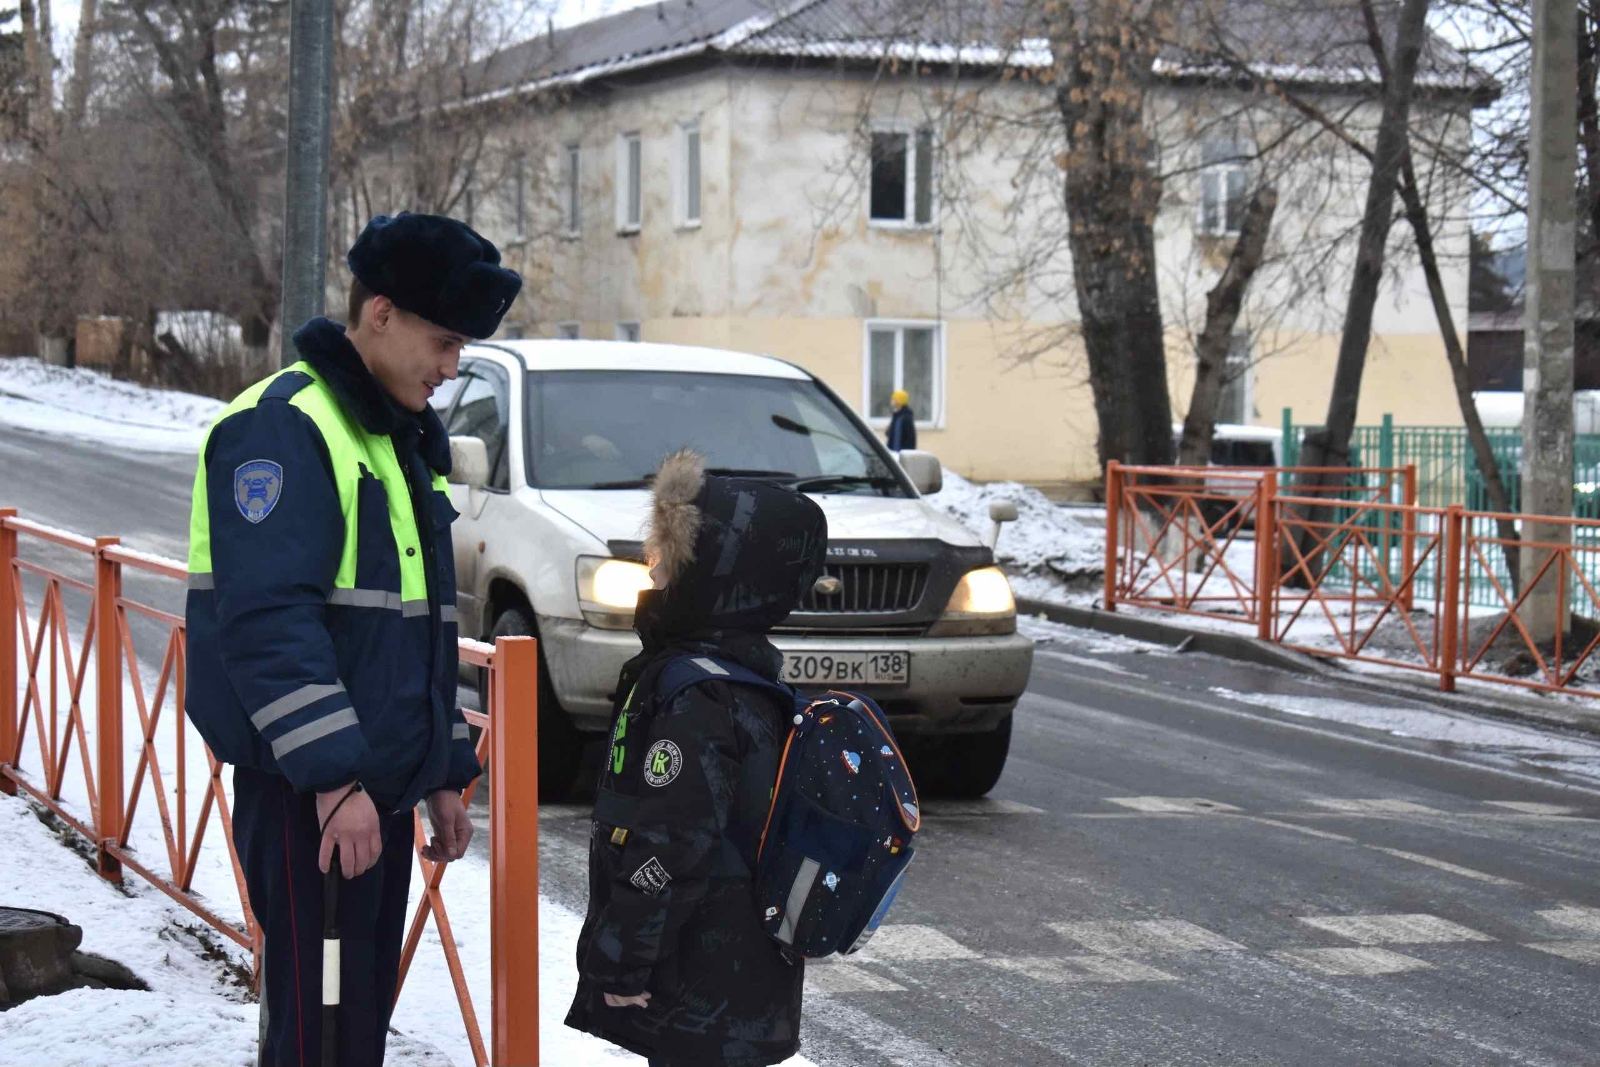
[257,488]
[662,763]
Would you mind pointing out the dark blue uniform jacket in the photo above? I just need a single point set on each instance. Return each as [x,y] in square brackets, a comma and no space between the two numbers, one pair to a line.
[283,675]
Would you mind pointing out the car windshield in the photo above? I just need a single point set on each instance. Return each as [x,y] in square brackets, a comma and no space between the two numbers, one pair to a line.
[610,430]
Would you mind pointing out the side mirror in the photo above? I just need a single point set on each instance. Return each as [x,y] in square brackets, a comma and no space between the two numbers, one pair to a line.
[469,462]
[1000,513]
[923,469]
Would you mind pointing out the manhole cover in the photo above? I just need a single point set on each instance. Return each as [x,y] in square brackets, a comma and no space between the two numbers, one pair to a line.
[18,920]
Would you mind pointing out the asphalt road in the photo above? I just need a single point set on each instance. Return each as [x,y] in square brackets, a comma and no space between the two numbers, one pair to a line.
[1170,872]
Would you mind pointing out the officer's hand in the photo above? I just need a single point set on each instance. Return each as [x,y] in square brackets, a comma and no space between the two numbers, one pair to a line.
[452,827]
[640,1001]
[353,828]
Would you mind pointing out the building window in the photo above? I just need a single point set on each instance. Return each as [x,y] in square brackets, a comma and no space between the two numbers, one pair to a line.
[902,177]
[519,196]
[627,331]
[571,213]
[1233,406]
[567,331]
[630,198]
[1224,185]
[909,356]
[689,174]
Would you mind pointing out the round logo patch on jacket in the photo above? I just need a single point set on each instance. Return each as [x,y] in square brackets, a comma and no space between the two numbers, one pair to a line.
[662,763]
[257,487]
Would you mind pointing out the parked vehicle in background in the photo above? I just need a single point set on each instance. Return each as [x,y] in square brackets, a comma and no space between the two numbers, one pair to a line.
[555,442]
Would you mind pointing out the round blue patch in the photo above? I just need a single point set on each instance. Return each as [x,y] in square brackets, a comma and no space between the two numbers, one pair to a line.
[257,488]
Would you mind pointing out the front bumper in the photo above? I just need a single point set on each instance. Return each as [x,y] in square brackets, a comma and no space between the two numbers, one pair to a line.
[958,684]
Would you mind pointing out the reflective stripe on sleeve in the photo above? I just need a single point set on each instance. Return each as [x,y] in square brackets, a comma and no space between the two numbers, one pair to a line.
[314,731]
[203,581]
[365,598]
[292,702]
[410,609]
[447,613]
[460,732]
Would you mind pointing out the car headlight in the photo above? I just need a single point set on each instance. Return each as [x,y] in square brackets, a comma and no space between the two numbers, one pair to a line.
[981,604]
[608,590]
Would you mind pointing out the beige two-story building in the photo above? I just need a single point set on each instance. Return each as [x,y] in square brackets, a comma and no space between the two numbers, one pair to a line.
[719,172]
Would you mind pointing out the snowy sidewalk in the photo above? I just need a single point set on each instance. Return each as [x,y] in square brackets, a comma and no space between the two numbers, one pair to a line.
[88,405]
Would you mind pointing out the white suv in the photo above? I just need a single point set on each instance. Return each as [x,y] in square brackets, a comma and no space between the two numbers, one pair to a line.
[555,442]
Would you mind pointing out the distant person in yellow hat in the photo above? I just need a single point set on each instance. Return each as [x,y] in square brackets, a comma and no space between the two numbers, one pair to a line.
[903,423]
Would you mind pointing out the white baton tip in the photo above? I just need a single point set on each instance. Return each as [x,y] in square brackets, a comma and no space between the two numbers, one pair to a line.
[330,972]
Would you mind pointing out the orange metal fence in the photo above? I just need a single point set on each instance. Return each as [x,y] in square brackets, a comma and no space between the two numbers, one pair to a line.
[60,683]
[1331,563]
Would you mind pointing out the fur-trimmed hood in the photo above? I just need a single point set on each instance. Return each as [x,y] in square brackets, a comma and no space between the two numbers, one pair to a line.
[738,553]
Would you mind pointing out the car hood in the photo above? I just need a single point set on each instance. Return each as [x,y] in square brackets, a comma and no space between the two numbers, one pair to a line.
[622,514]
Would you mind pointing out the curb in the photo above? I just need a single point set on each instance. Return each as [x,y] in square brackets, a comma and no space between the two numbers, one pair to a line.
[1511,706]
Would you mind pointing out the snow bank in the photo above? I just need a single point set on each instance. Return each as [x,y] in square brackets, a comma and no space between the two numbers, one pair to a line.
[1045,537]
[89,406]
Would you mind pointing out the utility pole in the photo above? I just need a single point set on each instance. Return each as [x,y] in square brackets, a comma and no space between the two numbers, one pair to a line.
[305,231]
[1547,315]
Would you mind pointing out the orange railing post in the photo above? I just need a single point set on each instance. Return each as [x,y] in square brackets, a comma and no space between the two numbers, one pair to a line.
[108,704]
[1113,507]
[1408,538]
[1454,550]
[514,853]
[1266,554]
[8,649]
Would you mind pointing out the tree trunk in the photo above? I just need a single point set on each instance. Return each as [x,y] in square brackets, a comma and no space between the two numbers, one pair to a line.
[1422,229]
[1222,312]
[1103,67]
[82,63]
[1332,446]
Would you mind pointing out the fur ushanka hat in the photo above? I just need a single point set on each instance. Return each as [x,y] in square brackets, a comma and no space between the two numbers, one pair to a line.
[437,268]
[738,553]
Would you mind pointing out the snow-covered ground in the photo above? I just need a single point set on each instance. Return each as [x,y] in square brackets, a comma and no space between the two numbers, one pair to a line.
[88,405]
[1046,546]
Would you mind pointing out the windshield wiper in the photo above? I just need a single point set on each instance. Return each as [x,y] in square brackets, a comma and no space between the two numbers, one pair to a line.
[831,481]
[751,472]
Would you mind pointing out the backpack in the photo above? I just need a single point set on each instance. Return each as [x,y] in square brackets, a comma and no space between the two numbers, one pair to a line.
[837,840]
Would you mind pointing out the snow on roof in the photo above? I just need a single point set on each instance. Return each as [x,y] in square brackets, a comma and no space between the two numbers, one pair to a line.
[1300,41]
[642,356]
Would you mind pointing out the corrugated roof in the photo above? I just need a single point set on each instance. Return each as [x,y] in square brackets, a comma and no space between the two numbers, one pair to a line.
[1314,41]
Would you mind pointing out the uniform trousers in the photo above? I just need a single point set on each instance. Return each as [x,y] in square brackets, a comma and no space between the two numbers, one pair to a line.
[275,830]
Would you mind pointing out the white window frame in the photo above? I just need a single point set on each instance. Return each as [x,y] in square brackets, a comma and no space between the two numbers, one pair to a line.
[572,189]
[681,178]
[569,331]
[630,198]
[910,131]
[1214,176]
[629,331]
[933,420]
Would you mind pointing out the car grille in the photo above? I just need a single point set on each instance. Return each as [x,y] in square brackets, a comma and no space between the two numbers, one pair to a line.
[870,589]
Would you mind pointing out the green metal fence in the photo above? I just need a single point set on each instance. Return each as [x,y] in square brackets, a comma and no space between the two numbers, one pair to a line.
[1448,473]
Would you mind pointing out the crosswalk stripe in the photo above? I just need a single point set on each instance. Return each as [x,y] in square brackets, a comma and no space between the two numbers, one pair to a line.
[1080,970]
[838,978]
[1574,920]
[1535,807]
[1374,806]
[1120,938]
[1577,951]
[1172,805]
[1441,865]
[1413,929]
[1355,962]
[908,941]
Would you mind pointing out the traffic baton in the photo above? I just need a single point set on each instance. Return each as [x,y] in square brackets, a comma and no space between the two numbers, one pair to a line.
[330,962]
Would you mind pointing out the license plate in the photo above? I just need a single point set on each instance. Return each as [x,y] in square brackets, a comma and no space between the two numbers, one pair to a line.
[847,668]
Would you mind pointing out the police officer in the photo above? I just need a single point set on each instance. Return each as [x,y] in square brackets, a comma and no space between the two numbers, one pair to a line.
[321,622]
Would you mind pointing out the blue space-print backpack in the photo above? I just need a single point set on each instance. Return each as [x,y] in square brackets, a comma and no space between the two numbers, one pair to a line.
[837,840]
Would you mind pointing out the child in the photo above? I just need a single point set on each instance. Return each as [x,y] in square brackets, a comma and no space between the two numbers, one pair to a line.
[672,961]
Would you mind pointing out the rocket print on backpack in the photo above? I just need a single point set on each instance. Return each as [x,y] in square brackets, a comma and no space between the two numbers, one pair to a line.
[838,836]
